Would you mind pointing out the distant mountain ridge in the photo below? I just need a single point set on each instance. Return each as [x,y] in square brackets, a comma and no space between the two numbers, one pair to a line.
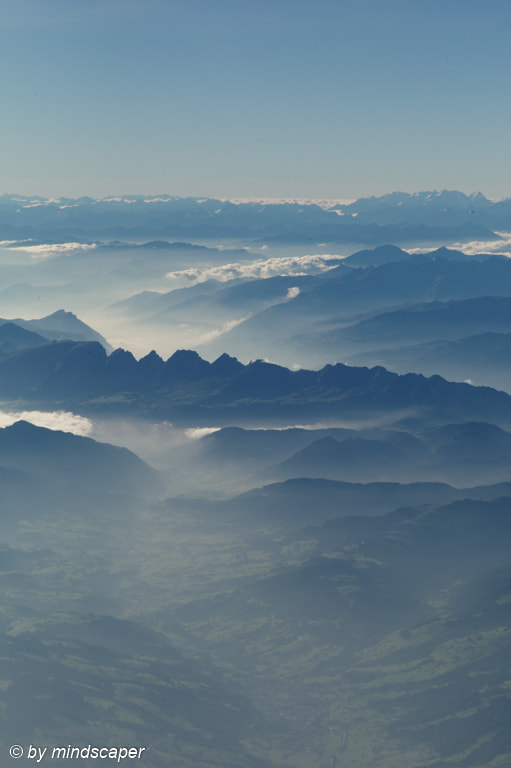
[186,387]
[384,254]
[18,334]
[434,320]
[485,355]
[397,217]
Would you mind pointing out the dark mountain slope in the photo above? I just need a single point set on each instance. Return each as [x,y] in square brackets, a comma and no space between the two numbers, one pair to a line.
[81,374]
[353,458]
[308,502]
[62,490]
[261,447]
[14,338]
[455,453]
[69,459]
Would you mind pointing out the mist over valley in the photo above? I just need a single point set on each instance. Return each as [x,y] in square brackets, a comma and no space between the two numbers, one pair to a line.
[256,480]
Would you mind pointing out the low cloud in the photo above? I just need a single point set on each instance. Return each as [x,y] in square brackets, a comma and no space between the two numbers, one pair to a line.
[487,246]
[501,246]
[260,268]
[322,202]
[63,421]
[196,433]
[38,203]
[46,250]
[127,200]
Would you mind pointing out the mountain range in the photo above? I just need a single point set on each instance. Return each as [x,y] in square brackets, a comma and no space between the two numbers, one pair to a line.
[375,315]
[186,387]
[19,334]
[397,217]
[461,453]
[317,573]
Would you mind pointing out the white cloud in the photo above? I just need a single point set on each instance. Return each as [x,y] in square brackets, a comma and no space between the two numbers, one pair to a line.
[46,250]
[163,200]
[196,433]
[259,268]
[127,200]
[487,246]
[63,421]
[322,202]
[39,203]
[293,292]
[502,246]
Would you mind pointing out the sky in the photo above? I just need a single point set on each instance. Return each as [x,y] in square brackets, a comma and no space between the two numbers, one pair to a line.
[229,98]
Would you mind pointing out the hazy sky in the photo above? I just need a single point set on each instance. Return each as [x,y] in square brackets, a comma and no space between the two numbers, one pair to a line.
[230,98]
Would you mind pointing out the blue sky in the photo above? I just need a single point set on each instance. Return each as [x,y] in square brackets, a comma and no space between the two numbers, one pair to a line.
[230,98]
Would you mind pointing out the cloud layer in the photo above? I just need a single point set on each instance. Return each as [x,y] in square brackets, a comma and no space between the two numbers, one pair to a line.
[486,246]
[259,268]
[501,246]
[63,421]
[45,250]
